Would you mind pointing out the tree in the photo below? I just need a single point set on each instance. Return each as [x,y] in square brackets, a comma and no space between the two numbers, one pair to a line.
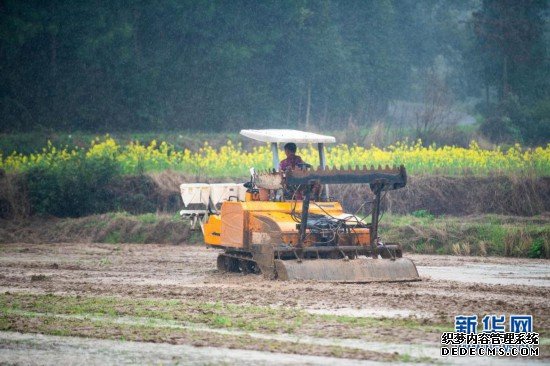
[436,110]
[510,42]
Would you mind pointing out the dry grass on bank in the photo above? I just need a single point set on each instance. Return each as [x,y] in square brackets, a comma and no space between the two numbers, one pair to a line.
[106,228]
[480,235]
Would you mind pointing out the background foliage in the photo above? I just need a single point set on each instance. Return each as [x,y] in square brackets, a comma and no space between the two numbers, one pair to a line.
[74,186]
[220,65]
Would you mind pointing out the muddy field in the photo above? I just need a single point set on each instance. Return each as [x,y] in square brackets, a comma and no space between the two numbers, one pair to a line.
[119,296]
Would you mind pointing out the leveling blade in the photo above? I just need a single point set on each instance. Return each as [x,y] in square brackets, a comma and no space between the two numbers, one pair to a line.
[353,270]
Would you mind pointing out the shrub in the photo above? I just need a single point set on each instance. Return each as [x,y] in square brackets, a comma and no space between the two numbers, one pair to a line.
[511,121]
[75,188]
[422,214]
[537,129]
[500,129]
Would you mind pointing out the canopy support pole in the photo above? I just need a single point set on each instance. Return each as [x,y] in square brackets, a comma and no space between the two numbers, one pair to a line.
[275,153]
[323,163]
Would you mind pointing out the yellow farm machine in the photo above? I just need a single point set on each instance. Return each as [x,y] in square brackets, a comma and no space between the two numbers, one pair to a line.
[285,225]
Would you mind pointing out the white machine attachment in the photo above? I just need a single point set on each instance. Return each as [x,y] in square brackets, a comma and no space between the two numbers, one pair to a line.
[207,197]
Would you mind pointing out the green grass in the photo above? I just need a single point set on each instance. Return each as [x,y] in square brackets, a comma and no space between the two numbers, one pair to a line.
[407,323]
[471,235]
[162,320]
[105,261]
[423,232]
[149,218]
[185,321]
[157,332]
[113,237]
[217,315]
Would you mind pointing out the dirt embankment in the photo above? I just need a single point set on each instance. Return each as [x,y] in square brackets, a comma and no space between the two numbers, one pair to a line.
[482,235]
[439,195]
[442,195]
[106,228]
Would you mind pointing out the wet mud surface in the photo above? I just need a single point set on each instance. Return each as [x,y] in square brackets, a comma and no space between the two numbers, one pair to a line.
[46,350]
[450,286]
[189,272]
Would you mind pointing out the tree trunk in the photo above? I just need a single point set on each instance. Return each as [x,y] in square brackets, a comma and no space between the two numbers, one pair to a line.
[325,112]
[505,78]
[308,108]
[288,112]
[300,110]
[487,93]
[137,51]
[53,53]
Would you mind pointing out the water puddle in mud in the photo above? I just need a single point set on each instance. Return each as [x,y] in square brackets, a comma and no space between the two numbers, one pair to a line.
[492,274]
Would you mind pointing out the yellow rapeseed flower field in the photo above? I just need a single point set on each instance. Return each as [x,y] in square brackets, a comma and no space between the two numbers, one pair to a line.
[231,160]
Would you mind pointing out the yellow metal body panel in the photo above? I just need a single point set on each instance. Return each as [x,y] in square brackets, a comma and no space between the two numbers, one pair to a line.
[212,230]
[233,224]
[255,222]
[333,208]
[284,221]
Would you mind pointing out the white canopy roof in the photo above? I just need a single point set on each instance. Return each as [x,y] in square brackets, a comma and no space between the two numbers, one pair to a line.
[295,136]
